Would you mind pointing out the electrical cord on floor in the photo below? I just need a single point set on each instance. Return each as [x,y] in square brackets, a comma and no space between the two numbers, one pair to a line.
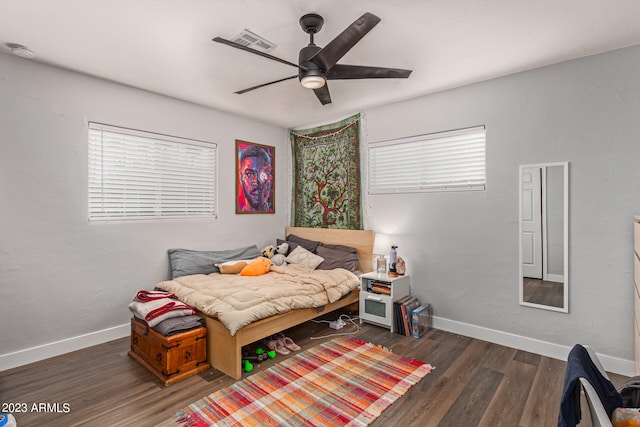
[343,317]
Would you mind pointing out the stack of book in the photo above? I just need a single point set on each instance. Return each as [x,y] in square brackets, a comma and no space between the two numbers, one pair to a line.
[412,319]
[402,309]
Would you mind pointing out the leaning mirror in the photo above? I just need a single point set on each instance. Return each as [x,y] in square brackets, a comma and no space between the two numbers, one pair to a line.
[543,237]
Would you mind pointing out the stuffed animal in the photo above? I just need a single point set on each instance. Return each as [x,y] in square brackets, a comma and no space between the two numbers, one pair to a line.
[278,259]
[257,267]
[282,248]
[281,252]
[276,254]
[269,251]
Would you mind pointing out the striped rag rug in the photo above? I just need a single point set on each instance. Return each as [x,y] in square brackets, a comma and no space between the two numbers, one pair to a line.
[342,382]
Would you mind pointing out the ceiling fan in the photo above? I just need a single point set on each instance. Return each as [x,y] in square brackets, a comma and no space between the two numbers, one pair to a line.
[316,65]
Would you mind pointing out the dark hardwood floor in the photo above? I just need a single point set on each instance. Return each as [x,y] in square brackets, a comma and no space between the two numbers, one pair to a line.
[543,292]
[474,383]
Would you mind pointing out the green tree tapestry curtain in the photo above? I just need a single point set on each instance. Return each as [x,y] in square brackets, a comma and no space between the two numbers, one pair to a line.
[326,176]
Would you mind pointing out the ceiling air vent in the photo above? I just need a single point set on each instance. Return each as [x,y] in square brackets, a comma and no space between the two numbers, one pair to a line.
[254,41]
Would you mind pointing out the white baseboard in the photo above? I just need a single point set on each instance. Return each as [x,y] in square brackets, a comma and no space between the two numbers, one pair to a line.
[45,351]
[555,351]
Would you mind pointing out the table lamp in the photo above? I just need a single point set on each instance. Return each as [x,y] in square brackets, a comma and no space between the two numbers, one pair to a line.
[381,247]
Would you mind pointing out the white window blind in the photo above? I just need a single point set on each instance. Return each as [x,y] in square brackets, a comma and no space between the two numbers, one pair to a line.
[136,175]
[445,161]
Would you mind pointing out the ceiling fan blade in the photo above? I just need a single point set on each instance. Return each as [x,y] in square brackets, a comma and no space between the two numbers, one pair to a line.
[323,94]
[344,72]
[339,46]
[240,92]
[257,52]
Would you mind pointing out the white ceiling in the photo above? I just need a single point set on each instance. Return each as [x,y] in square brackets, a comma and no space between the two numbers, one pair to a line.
[165,46]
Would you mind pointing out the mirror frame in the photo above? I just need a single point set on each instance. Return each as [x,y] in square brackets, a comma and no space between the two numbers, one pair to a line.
[565,299]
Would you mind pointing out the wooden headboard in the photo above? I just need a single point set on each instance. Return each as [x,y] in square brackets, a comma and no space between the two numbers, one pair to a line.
[362,240]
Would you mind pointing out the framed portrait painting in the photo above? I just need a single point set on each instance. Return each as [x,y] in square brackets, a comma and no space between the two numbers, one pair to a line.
[255,178]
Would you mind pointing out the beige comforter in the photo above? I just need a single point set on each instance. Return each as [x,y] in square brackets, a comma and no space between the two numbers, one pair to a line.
[237,301]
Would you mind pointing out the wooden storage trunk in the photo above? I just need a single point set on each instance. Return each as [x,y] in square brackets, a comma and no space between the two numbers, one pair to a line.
[172,358]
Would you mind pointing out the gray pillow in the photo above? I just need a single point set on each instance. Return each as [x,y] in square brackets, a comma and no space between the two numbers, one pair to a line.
[309,245]
[337,259]
[342,248]
[186,261]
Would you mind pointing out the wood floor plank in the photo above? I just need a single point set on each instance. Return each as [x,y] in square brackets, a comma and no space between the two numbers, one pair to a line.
[498,359]
[526,357]
[509,400]
[540,409]
[472,403]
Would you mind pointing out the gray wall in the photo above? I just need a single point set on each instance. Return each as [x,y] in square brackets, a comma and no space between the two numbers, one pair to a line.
[61,277]
[462,248]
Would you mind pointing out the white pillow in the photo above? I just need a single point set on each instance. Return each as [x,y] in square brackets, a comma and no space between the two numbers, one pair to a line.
[302,256]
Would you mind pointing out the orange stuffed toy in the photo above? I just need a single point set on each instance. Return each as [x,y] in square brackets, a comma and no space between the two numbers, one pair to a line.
[256,267]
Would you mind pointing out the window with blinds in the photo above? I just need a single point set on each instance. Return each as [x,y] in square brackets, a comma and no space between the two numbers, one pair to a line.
[444,161]
[136,175]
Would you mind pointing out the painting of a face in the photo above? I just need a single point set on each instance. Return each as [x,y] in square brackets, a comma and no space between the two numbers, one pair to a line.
[255,166]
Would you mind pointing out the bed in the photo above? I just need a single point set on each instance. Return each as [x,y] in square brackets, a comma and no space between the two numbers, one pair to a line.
[224,346]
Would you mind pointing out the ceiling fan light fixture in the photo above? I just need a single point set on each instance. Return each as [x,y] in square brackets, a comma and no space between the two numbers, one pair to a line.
[317,64]
[313,82]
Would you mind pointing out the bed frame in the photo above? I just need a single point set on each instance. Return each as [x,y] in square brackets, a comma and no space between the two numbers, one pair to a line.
[224,352]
